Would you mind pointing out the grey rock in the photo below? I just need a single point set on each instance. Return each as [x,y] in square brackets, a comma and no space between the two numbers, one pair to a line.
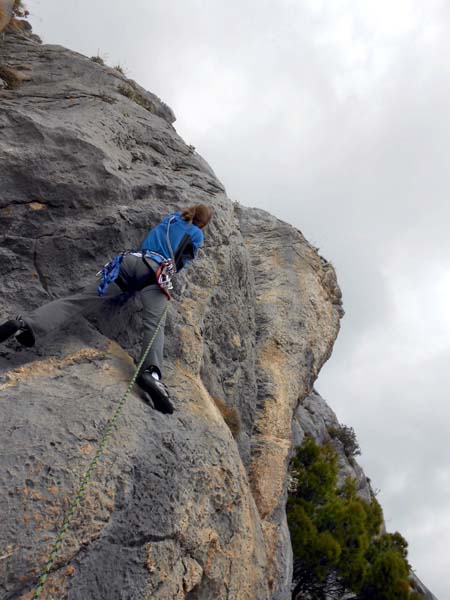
[421,588]
[177,508]
[171,511]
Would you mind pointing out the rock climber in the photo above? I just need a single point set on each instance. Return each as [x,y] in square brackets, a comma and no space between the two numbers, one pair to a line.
[167,249]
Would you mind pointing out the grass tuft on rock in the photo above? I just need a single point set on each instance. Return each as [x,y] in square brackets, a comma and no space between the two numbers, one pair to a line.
[98,59]
[132,93]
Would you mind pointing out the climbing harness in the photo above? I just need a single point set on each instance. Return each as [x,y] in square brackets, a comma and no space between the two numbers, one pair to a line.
[166,269]
[90,470]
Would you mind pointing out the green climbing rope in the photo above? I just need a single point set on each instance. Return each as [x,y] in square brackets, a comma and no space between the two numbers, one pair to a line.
[90,470]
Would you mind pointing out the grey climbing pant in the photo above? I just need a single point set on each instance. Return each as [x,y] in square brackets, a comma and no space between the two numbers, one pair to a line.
[133,274]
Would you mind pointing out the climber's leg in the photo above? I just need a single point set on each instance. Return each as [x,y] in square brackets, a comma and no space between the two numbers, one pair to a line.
[138,276]
[154,301]
[55,314]
[34,326]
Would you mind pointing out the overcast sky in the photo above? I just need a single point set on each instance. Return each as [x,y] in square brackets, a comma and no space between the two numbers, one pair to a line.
[334,116]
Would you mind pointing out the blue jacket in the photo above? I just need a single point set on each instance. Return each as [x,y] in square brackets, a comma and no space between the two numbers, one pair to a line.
[185,239]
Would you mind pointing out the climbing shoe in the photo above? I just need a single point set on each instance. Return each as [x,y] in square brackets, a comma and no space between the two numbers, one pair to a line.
[157,392]
[20,329]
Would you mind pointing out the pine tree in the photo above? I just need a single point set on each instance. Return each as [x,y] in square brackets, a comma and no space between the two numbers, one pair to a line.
[336,538]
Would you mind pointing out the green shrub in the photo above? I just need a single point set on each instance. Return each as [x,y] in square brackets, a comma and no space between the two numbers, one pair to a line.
[347,436]
[336,537]
[387,577]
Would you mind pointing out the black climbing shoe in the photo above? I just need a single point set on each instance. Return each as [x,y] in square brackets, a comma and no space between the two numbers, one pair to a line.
[157,392]
[25,336]
[8,329]
[20,329]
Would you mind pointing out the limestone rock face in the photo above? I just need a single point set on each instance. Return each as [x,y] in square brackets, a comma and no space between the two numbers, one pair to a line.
[178,508]
[421,589]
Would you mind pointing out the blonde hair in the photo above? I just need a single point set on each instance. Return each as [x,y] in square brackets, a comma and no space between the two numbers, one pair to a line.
[199,214]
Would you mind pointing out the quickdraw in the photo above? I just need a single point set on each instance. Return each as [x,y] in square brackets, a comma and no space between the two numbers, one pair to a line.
[164,274]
